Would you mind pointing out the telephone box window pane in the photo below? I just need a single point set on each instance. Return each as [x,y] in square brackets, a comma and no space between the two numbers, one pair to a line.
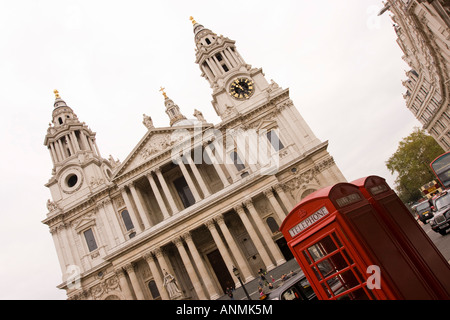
[358,294]
[343,282]
[90,240]
[305,254]
[322,248]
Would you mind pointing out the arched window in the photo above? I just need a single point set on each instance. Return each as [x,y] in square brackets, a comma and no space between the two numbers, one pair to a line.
[237,161]
[60,120]
[153,289]
[273,225]
[127,220]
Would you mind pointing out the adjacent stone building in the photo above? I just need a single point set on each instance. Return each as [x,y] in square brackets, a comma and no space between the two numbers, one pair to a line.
[423,30]
[193,199]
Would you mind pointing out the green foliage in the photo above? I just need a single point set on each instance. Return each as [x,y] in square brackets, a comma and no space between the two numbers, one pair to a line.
[411,162]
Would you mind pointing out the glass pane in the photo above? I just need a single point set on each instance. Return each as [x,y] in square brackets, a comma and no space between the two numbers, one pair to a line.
[322,248]
[358,294]
[342,282]
[306,288]
[153,289]
[127,220]
[305,254]
[291,294]
[90,240]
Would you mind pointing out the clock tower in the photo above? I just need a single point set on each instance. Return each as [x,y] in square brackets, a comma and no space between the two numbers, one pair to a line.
[234,82]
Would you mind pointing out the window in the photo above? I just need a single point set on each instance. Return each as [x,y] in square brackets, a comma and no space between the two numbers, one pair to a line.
[60,121]
[225,68]
[90,240]
[274,140]
[184,192]
[127,220]
[219,57]
[237,161]
[207,41]
[273,225]
[153,289]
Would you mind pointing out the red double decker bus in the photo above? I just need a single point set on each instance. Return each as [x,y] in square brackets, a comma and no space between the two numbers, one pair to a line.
[441,168]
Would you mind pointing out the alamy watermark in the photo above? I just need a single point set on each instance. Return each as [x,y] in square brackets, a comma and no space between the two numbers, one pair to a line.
[237,147]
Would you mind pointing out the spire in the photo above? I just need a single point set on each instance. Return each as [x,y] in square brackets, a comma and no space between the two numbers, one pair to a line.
[172,110]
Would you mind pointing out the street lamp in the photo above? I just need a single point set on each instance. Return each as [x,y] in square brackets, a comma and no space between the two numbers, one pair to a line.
[237,274]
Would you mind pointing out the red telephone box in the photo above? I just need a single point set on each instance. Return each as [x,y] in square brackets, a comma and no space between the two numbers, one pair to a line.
[338,239]
[426,257]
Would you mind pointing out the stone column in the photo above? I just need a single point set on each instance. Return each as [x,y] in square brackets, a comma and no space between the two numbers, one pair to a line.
[110,211]
[240,260]
[124,284]
[201,267]
[139,206]
[130,210]
[134,282]
[156,275]
[60,254]
[66,243]
[158,197]
[198,176]
[279,259]
[166,190]
[217,166]
[188,180]
[222,248]
[275,205]
[255,238]
[284,198]
[75,141]
[190,269]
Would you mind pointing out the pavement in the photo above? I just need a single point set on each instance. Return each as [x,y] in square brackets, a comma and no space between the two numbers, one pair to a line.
[252,286]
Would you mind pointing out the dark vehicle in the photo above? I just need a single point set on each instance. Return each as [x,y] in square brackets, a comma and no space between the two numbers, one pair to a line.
[296,287]
[441,221]
[424,211]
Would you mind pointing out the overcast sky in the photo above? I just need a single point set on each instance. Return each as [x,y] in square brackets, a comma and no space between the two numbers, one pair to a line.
[108,60]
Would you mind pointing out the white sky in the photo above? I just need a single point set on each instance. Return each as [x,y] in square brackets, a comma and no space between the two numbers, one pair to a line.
[108,60]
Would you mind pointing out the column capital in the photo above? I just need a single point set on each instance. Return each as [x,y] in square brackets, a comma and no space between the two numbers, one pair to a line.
[119,272]
[248,203]
[148,256]
[157,170]
[159,252]
[187,236]
[278,188]
[210,224]
[219,219]
[129,268]
[239,208]
[178,241]
[268,193]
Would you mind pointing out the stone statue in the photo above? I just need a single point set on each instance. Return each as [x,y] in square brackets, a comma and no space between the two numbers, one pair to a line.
[172,287]
[199,116]
[51,206]
[148,122]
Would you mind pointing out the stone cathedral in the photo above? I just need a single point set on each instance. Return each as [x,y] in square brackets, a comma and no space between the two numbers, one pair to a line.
[192,200]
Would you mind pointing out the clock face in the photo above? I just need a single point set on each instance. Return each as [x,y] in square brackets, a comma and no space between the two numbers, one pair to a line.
[242,88]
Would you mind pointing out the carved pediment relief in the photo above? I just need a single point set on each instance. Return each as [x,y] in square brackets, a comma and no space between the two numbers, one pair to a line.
[150,146]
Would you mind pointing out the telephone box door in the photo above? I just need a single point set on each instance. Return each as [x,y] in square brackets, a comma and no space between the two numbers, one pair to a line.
[332,266]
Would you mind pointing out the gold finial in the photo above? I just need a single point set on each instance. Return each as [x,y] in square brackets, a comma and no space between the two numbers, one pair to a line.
[192,19]
[56,94]
[164,94]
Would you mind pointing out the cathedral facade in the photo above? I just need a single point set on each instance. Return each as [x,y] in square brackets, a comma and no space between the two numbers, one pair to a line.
[423,34]
[192,200]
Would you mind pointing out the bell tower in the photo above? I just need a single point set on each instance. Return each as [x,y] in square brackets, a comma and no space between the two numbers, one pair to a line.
[78,167]
[237,87]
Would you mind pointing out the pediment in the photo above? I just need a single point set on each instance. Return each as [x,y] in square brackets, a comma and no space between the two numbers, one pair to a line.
[153,144]
[84,224]
[266,124]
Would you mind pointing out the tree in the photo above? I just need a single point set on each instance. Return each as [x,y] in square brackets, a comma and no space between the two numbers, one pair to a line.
[411,162]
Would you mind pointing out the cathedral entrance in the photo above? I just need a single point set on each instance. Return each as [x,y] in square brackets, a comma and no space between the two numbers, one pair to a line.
[284,248]
[220,269]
